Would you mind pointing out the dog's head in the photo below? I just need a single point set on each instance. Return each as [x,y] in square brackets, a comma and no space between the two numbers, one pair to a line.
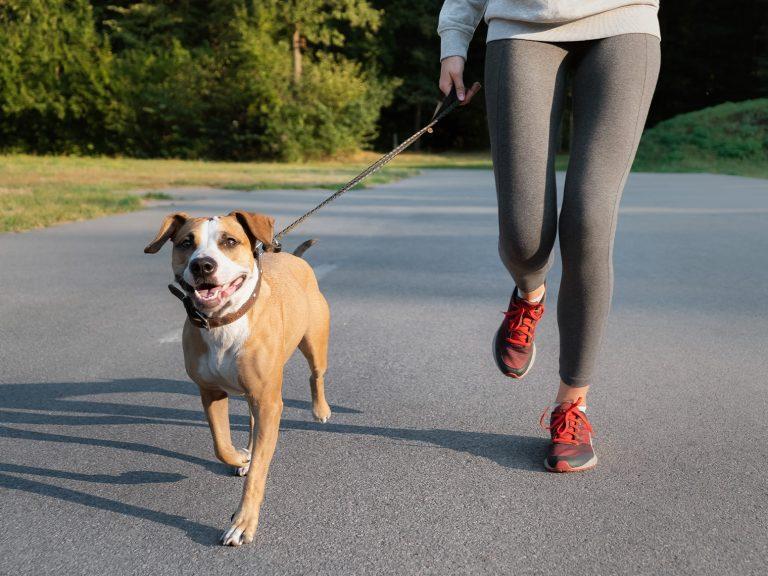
[215,256]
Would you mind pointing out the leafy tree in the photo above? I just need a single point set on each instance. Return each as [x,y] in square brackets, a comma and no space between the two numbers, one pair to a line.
[317,22]
[164,73]
[54,77]
[330,103]
[233,79]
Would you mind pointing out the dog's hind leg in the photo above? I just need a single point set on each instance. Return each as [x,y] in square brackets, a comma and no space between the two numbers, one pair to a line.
[216,406]
[314,346]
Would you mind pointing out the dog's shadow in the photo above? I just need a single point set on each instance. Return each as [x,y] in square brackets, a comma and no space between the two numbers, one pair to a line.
[65,404]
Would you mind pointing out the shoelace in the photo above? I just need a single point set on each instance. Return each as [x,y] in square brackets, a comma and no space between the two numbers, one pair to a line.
[565,422]
[522,322]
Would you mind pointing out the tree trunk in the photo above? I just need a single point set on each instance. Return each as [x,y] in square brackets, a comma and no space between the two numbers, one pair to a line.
[296,55]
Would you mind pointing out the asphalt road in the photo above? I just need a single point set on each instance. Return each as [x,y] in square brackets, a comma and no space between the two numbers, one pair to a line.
[431,463]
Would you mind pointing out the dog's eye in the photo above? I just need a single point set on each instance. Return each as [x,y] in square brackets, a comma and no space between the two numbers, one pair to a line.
[186,243]
[230,242]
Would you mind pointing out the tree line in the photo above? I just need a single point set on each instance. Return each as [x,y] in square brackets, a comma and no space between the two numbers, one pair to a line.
[292,79]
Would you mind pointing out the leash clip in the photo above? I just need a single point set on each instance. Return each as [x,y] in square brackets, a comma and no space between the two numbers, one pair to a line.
[275,246]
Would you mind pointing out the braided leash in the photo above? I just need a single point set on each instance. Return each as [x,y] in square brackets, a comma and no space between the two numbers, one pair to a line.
[448,105]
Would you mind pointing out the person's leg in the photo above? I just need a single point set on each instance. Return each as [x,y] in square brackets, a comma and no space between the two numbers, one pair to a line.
[525,87]
[613,85]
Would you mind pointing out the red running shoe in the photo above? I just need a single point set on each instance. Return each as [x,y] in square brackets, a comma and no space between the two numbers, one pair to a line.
[571,447]
[513,347]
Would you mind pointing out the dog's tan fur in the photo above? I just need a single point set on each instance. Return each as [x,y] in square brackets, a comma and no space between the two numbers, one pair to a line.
[247,357]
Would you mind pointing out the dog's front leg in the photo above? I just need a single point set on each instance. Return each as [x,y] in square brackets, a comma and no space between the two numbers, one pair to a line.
[246,519]
[216,406]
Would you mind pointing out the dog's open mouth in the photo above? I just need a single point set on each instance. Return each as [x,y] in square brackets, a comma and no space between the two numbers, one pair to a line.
[210,295]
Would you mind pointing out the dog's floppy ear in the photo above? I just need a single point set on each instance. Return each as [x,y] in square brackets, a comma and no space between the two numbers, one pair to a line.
[168,229]
[260,228]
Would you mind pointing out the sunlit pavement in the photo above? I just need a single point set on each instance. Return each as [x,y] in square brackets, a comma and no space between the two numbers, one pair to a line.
[432,462]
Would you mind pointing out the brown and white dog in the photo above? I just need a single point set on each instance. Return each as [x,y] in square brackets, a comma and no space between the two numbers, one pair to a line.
[260,308]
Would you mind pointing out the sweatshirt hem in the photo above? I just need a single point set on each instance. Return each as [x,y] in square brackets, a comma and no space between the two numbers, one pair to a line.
[636,19]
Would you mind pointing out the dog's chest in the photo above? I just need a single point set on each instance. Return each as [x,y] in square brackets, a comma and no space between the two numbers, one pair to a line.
[219,362]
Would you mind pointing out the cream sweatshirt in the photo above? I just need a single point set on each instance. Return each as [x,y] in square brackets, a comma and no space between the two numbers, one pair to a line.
[545,20]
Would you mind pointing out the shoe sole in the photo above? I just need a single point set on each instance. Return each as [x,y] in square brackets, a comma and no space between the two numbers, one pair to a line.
[567,468]
[503,369]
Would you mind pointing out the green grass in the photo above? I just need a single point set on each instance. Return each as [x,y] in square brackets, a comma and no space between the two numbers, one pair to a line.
[730,138]
[38,191]
[23,207]
[156,196]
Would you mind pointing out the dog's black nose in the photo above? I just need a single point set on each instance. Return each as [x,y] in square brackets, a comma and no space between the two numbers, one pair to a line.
[202,266]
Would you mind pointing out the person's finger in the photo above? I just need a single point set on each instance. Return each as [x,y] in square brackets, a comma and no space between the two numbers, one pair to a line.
[474,89]
[458,82]
[445,82]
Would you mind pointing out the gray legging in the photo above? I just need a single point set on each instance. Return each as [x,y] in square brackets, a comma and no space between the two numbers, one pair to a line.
[613,83]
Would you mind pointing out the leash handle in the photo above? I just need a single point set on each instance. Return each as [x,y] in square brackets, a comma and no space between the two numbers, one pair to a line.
[451,101]
[448,105]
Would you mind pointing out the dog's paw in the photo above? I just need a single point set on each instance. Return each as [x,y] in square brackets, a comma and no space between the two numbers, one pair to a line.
[241,532]
[243,470]
[321,413]
[233,537]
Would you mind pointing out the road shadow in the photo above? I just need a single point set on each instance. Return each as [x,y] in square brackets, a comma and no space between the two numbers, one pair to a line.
[63,404]
[130,477]
[197,532]
[507,450]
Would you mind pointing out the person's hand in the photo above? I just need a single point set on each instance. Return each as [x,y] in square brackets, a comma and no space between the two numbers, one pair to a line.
[452,74]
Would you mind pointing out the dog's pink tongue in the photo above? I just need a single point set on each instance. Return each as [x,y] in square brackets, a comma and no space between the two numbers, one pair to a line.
[228,290]
[205,292]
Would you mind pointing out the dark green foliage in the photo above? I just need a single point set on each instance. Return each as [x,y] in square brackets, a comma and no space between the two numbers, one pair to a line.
[332,105]
[187,78]
[54,78]
[725,138]
[335,110]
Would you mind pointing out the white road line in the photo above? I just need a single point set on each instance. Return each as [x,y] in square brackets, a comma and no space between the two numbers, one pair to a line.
[171,337]
[323,269]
